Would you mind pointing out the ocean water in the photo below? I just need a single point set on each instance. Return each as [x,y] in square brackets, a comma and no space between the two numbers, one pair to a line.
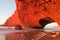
[4,31]
[51,29]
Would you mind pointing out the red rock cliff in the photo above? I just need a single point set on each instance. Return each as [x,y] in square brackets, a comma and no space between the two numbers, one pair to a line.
[28,12]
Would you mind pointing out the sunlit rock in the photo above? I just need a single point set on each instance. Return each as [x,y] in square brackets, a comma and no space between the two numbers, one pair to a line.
[28,12]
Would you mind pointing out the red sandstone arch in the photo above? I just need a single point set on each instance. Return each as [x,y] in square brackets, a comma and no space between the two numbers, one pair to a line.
[28,13]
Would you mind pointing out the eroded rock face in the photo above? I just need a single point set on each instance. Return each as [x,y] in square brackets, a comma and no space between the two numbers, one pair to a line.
[29,12]
[14,20]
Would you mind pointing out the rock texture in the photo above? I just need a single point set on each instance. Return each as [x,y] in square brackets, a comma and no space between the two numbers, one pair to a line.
[29,12]
[14,20]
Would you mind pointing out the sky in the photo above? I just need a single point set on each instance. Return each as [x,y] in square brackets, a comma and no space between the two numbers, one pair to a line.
[7,8]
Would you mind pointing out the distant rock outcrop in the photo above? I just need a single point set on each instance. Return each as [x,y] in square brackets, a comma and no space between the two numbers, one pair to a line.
[28,13]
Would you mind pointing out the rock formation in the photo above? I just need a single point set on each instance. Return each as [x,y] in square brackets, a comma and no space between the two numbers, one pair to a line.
[12,21]
[29,12]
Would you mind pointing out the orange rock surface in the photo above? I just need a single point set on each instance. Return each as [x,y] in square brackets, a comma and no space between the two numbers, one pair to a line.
[29,12]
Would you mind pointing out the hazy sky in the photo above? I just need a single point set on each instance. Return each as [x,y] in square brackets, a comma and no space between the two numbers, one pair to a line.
[7,8]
